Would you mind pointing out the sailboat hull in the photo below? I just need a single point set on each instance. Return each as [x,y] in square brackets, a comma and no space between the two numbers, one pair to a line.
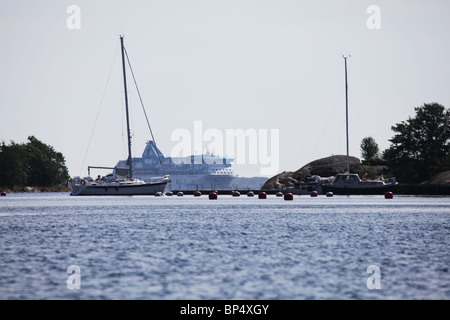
[118,190]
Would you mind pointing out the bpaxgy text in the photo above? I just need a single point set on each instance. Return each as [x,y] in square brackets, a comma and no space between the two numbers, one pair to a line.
[229,309]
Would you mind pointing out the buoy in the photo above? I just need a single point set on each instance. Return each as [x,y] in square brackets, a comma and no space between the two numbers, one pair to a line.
[313,193]
[180,194]
[213,195]
[279,194]
[250,194]
[262,195]
[388,195]
[169,193]
[236,194]
[288,196]
[197,193]
[158,194]
[329,194]
[3,194]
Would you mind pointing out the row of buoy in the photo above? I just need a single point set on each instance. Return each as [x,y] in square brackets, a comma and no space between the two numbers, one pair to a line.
[261,195]
[213,195]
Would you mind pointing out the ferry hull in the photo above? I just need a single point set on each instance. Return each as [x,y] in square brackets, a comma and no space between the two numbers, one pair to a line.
[118,190]
[194,181]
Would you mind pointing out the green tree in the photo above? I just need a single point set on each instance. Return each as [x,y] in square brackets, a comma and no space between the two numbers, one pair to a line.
[369,149]
[420,146]
[45,166]
[12,165]
[34,164]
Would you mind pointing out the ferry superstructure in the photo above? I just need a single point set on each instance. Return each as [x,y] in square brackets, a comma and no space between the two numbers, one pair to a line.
[195,172]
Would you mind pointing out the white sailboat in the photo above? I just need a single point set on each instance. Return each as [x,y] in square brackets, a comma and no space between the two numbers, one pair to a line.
[350,183]
[122,182]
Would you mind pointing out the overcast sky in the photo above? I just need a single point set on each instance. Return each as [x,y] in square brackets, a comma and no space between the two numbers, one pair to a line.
[243,64]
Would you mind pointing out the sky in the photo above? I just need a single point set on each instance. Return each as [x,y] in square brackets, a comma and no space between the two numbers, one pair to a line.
[273,69]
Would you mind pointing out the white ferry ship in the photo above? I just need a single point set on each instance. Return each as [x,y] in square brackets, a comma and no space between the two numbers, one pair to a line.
[202,172]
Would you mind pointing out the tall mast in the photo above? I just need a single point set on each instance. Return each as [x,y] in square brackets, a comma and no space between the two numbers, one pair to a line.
[129,162]
[346,112]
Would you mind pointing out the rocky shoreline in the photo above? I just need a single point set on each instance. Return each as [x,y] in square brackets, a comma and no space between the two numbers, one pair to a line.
[324,167]
[330,166]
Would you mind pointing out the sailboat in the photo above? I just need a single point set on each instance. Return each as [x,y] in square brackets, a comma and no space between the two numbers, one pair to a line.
[350,183]
[121,183]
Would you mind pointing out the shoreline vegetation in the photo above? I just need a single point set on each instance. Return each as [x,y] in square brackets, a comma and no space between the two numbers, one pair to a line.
[28,165]
[419,159]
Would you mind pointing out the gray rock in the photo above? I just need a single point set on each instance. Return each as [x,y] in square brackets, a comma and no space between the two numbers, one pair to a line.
[324,167]
[440,178]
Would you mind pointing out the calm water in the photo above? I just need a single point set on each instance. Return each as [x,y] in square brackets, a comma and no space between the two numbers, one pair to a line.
[232,248]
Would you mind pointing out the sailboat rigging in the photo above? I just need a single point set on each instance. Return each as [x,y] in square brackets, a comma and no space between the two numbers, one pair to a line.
[346,112]
[350,183]
[112,184]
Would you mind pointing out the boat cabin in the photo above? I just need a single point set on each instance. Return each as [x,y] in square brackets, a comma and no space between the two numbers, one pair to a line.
[347,177]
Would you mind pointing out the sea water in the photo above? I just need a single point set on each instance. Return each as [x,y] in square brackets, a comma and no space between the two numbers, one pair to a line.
[54,246]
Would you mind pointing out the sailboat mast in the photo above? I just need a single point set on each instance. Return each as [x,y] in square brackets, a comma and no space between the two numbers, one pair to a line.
[129,162]
[346,112]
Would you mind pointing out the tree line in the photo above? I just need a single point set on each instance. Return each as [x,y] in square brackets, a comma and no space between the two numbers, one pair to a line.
[419,148]
[31,164]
